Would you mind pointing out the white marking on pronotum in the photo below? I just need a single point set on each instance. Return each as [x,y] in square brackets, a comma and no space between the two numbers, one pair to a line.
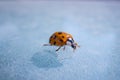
[68,43]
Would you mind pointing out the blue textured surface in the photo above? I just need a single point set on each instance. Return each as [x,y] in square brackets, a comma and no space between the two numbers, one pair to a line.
[26,26]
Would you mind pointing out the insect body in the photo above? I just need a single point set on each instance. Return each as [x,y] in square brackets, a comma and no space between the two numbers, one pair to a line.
[61,39]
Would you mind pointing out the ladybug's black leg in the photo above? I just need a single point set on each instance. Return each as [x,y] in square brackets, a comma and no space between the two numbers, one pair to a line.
[58,48]
[46,45]
[63,47]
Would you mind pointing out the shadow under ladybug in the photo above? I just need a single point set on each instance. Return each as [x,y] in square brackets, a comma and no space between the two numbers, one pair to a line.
[62,39]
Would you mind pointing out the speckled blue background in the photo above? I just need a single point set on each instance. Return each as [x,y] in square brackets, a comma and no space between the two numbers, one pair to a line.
[26,25]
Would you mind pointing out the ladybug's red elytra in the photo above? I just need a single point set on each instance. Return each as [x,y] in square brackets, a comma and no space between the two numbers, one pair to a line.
[61,39]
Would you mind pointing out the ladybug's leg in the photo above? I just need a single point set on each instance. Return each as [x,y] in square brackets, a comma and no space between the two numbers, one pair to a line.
[46,45]
[63,47]
[58,48]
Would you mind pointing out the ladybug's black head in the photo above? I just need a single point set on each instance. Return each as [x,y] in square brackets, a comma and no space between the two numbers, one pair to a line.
[73,46]
[71,42]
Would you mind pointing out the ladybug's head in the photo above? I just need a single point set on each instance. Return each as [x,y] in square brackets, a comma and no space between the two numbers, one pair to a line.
[73,46]
[72,43]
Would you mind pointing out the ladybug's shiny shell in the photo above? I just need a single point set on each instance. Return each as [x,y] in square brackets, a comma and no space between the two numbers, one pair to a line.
[59,38]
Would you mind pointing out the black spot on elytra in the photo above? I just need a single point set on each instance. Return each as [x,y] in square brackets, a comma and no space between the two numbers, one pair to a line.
[54,43]
[62,36]
[61,40]
[51,37]
[50,41]
[59,32]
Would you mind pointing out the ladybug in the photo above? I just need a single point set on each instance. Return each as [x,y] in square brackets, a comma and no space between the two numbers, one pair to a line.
[61,39]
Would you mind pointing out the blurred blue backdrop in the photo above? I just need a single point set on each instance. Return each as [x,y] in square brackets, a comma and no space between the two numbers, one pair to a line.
[26,25]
